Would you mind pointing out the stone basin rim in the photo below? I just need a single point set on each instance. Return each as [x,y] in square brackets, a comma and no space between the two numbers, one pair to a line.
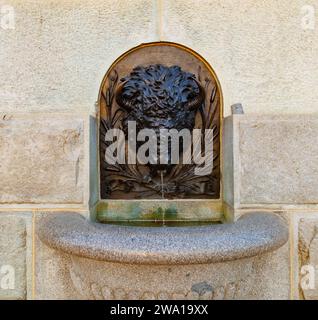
[253,234]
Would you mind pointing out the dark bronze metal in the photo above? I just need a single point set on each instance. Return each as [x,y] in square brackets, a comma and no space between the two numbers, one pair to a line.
[158,96]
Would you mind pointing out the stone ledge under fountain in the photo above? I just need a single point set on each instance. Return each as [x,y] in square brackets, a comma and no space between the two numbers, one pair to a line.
[251,235]
[224,261]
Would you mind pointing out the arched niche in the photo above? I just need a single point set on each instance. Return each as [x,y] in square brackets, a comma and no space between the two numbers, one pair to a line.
[124,96]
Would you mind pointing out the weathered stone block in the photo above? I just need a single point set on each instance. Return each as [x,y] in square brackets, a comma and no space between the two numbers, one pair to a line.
[41,159]
[308,257]
[274,160]
[15,255]
[278,160]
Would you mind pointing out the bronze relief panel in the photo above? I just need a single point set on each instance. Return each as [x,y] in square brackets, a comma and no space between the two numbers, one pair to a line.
[161,87]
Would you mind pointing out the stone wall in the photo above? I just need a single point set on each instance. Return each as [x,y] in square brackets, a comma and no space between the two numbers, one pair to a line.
[271,164]
[57,54]
[52,63]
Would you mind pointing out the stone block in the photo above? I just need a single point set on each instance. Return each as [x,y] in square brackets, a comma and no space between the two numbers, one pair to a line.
[41,159]
[278,160]
[15,255]
[274,161]
[307,247]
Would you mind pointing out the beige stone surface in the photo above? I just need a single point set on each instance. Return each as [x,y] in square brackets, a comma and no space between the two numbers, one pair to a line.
[277,160]
[41,159]
[56,56]
[307,247]
[259,50]
[59,51]
[15,255]
[271,161]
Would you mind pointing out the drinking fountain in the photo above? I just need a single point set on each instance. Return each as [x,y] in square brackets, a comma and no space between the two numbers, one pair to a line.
[159,225]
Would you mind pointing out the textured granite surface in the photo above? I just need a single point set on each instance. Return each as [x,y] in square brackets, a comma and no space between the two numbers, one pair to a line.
[251,235]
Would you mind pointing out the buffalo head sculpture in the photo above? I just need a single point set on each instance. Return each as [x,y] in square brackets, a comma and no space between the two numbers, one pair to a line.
[159,97]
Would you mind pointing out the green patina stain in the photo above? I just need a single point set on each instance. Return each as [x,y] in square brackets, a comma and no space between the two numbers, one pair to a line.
[134,211]
[157,214]
[153,215]
[171,213]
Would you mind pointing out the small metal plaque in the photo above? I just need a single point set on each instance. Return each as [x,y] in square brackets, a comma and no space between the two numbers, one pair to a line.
[159,87]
